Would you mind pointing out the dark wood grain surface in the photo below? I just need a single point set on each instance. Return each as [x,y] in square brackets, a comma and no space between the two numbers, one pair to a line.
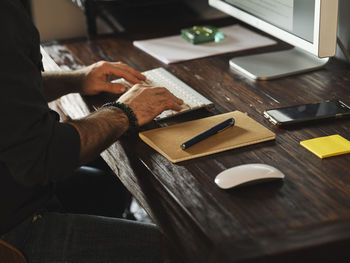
[304,218]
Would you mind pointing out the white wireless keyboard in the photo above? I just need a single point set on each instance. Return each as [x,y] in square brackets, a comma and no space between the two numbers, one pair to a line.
[162,78]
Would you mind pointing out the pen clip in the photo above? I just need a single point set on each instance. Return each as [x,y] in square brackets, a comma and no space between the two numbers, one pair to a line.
[230,125]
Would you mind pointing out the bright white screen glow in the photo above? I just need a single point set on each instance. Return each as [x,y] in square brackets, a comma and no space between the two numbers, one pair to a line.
[293,16]
[279,12]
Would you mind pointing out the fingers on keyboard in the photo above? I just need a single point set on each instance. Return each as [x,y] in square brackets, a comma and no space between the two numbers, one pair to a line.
[127,84]
[185,107]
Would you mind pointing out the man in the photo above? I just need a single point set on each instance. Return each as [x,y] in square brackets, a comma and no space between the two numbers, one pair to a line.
[37,151]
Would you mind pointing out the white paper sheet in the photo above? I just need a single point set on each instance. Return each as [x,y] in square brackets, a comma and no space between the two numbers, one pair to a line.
[175,49]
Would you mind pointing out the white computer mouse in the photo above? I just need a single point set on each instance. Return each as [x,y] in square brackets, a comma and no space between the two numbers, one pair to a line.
[247,174]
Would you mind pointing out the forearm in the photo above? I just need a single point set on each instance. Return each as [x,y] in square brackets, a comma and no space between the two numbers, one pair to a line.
[98,131]
[57,84]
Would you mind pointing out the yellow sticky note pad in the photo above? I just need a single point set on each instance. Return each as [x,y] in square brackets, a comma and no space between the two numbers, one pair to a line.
[327,146]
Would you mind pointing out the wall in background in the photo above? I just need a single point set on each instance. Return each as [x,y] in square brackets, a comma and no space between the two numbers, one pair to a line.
[58,19]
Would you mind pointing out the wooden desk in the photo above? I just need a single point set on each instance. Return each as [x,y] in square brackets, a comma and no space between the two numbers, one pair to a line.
[304,218]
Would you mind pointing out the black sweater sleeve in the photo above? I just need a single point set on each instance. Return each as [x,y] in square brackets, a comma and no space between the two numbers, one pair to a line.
[35,147]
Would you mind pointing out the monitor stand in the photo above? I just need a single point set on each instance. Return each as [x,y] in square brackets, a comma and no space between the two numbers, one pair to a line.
[279,64]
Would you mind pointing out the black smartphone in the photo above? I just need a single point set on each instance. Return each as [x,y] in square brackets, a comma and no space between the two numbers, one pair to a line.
[307,112]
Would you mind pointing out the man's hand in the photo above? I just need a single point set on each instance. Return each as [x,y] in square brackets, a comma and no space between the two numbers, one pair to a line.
[101,128]
[95,77]
[89,80]
[147,102]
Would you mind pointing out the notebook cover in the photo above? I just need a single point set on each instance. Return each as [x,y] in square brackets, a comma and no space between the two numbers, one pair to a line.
[167,140]
[327,146]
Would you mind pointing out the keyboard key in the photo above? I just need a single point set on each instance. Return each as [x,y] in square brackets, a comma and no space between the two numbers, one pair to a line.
[160,77]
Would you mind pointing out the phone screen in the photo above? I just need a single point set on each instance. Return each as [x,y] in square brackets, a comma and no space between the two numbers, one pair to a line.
[307,112]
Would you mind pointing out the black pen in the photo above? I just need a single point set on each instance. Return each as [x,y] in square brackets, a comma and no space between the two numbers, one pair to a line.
[206,134]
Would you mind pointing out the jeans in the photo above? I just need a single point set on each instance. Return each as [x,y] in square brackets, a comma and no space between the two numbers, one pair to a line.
[51,237]
[67,232]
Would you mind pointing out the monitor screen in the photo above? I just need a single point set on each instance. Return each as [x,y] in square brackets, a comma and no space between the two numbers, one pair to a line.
[308,24]
[295,16]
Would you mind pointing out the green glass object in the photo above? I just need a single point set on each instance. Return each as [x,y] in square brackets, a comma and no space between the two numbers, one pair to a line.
[202,34]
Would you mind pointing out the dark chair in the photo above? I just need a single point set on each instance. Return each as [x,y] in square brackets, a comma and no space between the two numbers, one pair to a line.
[10,254]
[99,8]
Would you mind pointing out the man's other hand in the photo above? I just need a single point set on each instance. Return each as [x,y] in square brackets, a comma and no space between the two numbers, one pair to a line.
[147,102]
[95,77]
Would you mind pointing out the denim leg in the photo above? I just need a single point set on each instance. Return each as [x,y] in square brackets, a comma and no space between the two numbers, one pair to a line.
[74,238]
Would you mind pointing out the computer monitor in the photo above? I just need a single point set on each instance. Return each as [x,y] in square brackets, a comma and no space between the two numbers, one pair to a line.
[309,25]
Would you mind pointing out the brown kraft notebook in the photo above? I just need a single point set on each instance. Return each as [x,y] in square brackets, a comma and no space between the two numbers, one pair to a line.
[167,140]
